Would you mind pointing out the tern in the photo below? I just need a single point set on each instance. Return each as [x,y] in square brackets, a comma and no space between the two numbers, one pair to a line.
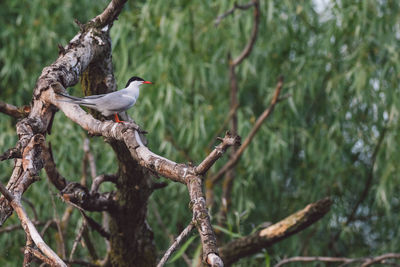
[111,103]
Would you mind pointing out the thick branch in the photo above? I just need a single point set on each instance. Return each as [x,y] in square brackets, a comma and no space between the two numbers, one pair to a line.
[235,158]
[296,222]
[82,49]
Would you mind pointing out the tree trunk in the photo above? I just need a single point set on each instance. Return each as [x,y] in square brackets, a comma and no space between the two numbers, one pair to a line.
[131,241]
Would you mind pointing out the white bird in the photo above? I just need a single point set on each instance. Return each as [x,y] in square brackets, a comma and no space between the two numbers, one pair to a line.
[112,103]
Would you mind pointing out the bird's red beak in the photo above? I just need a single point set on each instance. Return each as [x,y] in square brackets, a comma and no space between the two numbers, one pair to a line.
[147,82]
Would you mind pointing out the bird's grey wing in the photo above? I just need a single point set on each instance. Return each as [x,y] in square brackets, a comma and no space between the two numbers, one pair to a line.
[115,103]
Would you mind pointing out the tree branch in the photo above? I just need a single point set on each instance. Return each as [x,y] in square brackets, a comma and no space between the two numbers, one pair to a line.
[110,13]
[101,179]
[235,158]
[180,238]
[247,50]
[232,10]
[364,193]
[29,228]
[14,111]
[227,141]
[296,222]
[367,261]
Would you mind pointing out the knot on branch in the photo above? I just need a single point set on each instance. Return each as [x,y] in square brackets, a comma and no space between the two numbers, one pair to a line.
[79,196]
[75,193]
[230,139]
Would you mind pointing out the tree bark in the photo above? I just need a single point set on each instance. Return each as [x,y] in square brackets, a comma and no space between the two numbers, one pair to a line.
[131,239]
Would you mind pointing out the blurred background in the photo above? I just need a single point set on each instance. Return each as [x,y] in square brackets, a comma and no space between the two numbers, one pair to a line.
[337,135]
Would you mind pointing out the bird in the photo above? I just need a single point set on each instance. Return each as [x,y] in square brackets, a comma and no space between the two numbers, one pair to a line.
[111,103]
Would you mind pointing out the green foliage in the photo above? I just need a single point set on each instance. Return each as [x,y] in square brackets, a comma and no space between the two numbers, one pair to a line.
[341,67]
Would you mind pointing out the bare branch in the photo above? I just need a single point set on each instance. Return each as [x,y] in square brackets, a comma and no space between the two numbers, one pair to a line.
[235,158]
[40,256]
[223,125]
[18,227]
[27,254]
[380,259]
[51,170]
[77,239]
[232,10]
[60,236]
[11,153]
[32,206]
[14,111]
[161,223]
[30,228]
[90,158]
[181,238]
[201,218]
[247,50]
[311,259]
[296,222]
[227,141]
[101,179]
[367,261]
[367,187]
[109,14]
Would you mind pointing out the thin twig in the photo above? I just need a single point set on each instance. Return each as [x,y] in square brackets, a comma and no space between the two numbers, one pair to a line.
[251,135]
[47,226]
[161,223]
[228,140]
[247,50]
[30,204]
[90,158]
[101,179]
[60,240]
[231,11]
[223,125]
[381,258]
[366,261]
[367,187]
[181,238]
[40,256]
[77,239]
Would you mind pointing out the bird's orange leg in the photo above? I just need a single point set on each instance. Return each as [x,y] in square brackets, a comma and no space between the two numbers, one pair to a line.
[117,119]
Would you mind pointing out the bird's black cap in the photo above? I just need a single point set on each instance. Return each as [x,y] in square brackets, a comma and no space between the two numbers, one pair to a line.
[134,78]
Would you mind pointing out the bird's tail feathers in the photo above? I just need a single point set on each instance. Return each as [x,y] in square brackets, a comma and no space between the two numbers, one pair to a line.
[74,99]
